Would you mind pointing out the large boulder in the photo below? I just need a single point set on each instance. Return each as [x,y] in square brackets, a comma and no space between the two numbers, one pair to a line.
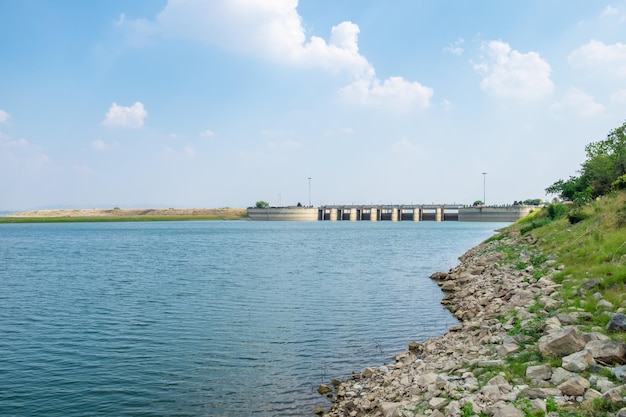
[574,387]
[578,361]
[561,343]
[542,372]
[607,352]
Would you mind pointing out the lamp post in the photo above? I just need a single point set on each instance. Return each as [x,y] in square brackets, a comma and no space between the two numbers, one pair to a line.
[484,182]
[309,191]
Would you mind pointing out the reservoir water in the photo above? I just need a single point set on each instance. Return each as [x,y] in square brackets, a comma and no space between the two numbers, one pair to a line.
[211,318]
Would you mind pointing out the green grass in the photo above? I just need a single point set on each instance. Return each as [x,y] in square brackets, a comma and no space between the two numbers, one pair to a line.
[591,245]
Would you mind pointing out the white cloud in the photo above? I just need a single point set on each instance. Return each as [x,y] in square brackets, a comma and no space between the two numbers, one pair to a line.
[120,116]
[208,133]
[272,29]
[138,31]
[578,103]
[19,154]
[455,47]
[614,12]
[447,104]
[610,11]
[395,92]
[508,73]
[4,116]
[600,56]
[100,145]
[619,96]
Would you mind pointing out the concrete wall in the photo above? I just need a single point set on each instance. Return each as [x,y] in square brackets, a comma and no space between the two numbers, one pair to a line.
[284,213]
[494,214]
[507,214]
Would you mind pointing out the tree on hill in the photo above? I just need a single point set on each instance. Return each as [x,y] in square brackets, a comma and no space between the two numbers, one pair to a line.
[602,172]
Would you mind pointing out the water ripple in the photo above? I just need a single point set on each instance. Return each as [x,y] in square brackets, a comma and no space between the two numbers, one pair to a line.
[210,318]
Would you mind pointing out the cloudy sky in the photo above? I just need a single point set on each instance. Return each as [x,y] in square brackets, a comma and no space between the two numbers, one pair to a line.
[221,103]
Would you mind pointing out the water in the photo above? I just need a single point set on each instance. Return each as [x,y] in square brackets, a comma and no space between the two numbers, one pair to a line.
[211,318]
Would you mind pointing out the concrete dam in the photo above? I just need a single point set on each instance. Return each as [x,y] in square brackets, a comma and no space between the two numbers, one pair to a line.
[394,213]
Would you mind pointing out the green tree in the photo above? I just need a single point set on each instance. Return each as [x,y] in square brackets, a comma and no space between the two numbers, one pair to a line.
[599,174]
[262,204]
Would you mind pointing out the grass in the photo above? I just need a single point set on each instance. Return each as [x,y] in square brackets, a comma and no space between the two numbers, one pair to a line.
[594,247]
[590,241]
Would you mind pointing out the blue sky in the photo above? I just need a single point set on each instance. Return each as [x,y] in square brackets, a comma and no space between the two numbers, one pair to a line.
[194,103]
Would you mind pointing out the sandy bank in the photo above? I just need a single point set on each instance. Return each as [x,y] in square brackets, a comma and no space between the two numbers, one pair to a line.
[220,212]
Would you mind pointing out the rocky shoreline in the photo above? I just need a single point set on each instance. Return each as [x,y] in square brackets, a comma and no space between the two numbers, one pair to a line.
[514,354]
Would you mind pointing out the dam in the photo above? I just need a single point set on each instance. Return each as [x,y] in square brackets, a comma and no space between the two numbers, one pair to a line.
[393,213]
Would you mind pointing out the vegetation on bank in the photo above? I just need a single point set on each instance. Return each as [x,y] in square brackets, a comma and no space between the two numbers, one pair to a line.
[586,235]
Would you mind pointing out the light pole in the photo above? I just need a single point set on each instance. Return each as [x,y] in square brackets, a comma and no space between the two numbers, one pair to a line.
[309,191]
[484,182]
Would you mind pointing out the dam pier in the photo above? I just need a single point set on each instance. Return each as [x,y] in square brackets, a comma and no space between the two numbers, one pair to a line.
[394,213]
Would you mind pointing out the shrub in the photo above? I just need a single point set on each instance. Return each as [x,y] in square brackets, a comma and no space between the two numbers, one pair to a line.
[576,216]
[557,210]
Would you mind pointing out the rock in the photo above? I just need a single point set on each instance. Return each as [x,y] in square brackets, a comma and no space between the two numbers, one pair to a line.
[389,409]
[542,372]
[559,375]
[318,411]
[522,298]
[591,394]
[619,373]
[453,409]
[415,347]
[607,352]
[589,285]
[486,363]
[574,387]
[621,413]
[449,286]
[426,380]
[437,402]
[324,389]
[506,410]
[541,393]
[439,276]
[604,385]
[508,349]
[491,393]
[578,361]
[604,305]
[561,343]
[617,323]
[567,319]
[552,323]
[589,337]
[615,396]
[538,405]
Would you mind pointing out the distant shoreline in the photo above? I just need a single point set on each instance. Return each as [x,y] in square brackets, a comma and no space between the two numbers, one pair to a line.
[121,215]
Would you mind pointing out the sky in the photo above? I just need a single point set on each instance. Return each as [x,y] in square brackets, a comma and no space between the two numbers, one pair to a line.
[223,103]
